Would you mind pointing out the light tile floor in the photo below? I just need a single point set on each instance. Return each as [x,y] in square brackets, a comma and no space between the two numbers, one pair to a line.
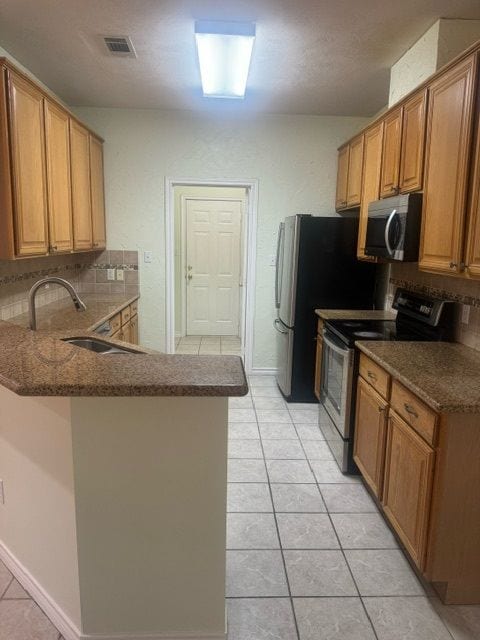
[209,345]
[308,555]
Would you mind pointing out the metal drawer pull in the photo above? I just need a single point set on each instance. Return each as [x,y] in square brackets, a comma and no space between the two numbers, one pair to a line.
[410,410]
[372,376]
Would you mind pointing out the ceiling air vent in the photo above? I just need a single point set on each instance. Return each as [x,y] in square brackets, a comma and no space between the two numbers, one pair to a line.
[120,46]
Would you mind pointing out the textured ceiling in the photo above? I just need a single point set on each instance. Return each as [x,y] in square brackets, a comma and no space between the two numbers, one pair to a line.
[310,57]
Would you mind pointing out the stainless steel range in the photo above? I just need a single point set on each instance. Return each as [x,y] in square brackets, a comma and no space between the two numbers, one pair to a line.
[419,317]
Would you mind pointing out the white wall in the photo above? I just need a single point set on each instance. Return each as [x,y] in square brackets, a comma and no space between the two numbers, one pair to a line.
[441,43]
[293,158]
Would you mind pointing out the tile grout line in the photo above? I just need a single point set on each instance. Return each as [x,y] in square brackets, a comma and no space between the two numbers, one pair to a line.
[287,580]
[339,543]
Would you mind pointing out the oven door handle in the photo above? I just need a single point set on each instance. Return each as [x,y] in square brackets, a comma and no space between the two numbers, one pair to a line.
[387,232]
[334,346]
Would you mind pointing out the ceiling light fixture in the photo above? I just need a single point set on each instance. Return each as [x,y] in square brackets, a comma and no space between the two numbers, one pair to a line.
[224,53]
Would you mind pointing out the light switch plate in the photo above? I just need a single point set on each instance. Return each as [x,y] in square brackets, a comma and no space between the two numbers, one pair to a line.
[120,274]
[465,313]
[272,261]
[147,256]
[110,274]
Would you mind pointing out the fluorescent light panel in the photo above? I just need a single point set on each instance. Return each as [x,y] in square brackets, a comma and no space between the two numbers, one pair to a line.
[224,53]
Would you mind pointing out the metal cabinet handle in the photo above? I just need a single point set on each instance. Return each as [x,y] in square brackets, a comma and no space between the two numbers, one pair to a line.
[381,409]
[189,277]
[53,247]
[410,410]
[453,265]
[372,376]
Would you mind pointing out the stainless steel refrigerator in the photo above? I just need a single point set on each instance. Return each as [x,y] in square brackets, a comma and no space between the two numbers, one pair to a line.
[316,267]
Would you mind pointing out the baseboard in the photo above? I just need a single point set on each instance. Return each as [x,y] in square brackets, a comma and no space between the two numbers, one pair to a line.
[63,623]
[263,371]
[146,636]
[51,609]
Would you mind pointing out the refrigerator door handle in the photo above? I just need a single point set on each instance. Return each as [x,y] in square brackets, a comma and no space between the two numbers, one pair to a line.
[278,326]
[278,265]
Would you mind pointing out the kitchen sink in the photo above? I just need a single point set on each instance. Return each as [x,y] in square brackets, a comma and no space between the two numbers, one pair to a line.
[97,346]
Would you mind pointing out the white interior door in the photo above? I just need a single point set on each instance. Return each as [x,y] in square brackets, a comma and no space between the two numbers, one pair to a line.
[213,272]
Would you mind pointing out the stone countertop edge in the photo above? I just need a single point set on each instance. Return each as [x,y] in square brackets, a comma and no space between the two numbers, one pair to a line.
[39,363]
[438,393]
[355,314]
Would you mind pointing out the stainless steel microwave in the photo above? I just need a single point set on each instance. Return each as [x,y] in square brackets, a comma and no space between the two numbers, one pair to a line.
[393,227]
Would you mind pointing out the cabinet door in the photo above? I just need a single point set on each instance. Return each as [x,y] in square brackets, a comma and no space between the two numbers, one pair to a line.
[27,136]
[58,178]
[97,190]
[372,159]
[408,486]
[447,156]
[342,178]
[370,435]
[391,153]
[81,202]
[355,167]
[413,143]
[472,257]
[318,366]
[134,330]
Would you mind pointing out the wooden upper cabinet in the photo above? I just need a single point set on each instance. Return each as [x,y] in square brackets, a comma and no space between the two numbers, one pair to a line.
[472,253]
[342,177]
[81,197]
[370,435]
[447,155]
[28,166]
[408,486]
[413,143]
[97,193]
[392,138]
[372,160]
[355,169]
[58,178]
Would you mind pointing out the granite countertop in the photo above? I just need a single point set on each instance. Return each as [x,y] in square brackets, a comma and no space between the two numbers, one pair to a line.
[446,375]
[39,363]
[63,315]
[355,314]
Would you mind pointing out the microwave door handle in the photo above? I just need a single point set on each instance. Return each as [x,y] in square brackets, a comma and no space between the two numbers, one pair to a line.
[387,232]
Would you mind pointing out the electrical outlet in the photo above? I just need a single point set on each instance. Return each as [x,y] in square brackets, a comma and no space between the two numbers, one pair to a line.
[119,274]
[2,494]
[147,256]
[110,274]
[465,313]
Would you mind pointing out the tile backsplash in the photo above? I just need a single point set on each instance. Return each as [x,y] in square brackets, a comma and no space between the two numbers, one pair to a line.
[87,272]
[465,293]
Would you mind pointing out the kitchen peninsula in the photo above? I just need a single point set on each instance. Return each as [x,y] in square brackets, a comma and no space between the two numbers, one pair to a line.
[114,484]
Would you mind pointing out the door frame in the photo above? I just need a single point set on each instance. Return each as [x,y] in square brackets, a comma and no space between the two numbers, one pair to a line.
[183,257]
[248,260]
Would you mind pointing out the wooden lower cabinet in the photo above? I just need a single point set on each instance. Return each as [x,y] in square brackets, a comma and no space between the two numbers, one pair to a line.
[370,434]
[409,465]
[134,330]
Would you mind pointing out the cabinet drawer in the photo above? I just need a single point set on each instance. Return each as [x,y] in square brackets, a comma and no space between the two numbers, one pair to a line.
[125,313]
[134,308]
[375,375]
[414,412]
[115,324]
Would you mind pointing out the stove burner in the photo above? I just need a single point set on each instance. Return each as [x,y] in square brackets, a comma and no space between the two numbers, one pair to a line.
[368,334]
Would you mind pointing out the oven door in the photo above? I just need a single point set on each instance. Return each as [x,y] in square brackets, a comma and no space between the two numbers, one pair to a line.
[337,381]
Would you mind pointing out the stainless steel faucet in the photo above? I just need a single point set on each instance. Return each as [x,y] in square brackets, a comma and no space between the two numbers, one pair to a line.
[79,304]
